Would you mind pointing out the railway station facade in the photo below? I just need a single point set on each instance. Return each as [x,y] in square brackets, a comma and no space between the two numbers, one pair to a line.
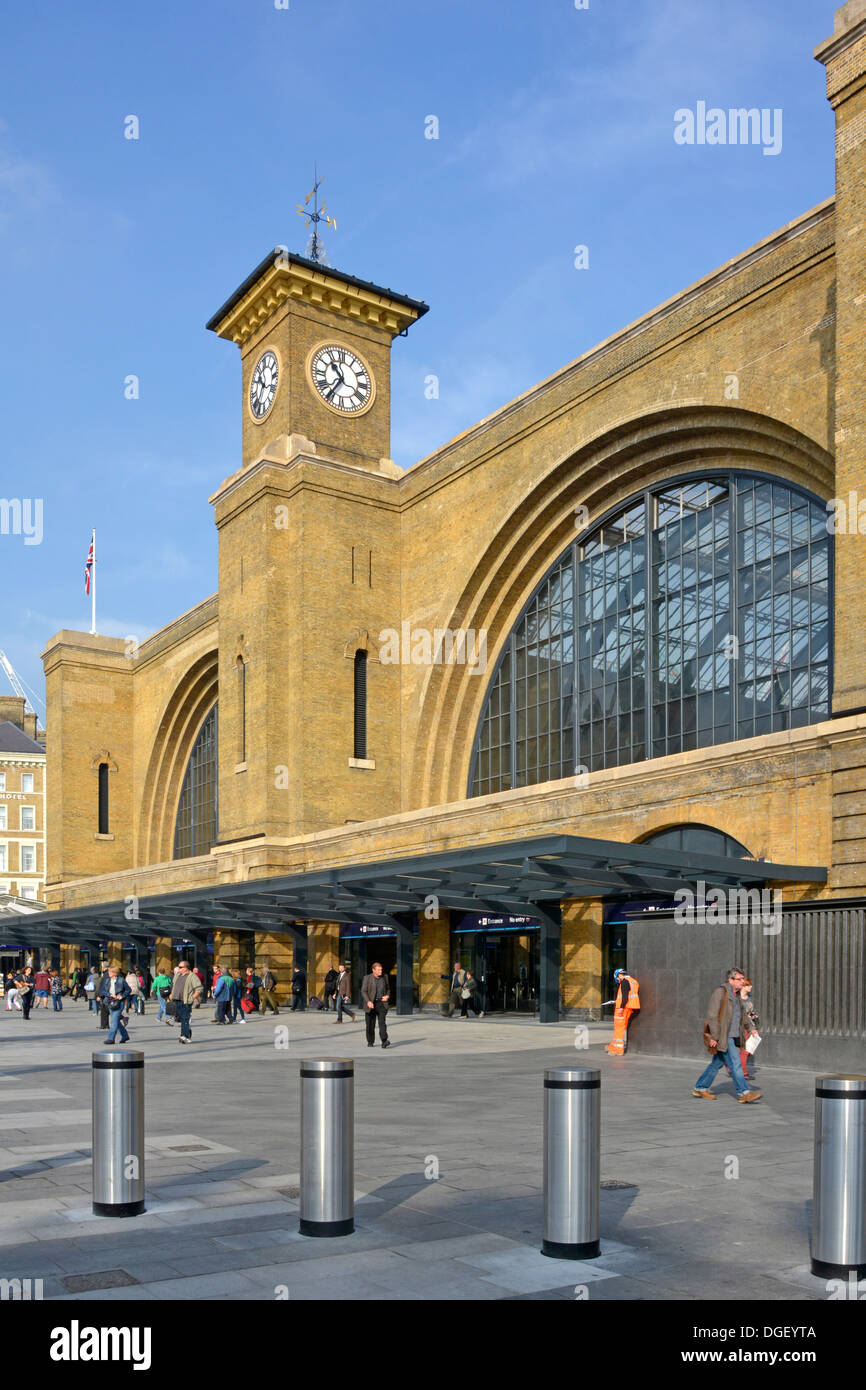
[609,640]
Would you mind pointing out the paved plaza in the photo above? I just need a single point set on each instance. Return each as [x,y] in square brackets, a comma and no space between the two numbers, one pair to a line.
[222,1168]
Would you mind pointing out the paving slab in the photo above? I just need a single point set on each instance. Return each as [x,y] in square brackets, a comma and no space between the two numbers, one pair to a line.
[222,1180]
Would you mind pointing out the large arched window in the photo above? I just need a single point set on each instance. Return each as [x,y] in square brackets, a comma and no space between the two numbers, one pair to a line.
[196,825]
[697,614]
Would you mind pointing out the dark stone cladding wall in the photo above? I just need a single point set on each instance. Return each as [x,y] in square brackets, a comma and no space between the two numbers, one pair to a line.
[808,986]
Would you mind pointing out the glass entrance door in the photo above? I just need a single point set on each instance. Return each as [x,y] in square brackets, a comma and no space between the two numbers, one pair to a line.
[507,966]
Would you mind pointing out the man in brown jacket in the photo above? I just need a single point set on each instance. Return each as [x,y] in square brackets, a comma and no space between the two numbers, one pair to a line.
[344,993]
[724,1024]
[185,990]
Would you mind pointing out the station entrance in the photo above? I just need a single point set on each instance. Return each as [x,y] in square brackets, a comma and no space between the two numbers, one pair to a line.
[503,955]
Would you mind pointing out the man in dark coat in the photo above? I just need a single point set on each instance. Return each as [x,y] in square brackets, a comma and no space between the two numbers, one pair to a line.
[375,994]
[299,989]
[330,990]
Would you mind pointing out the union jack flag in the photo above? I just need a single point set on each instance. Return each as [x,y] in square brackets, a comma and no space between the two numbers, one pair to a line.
[88,568]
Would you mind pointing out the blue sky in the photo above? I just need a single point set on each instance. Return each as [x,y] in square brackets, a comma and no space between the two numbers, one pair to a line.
[555,130]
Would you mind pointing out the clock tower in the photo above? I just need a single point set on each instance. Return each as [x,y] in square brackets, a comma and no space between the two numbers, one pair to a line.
[310,535]
[315,351]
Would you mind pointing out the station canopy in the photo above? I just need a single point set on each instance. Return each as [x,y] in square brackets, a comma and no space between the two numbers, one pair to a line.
[518,878]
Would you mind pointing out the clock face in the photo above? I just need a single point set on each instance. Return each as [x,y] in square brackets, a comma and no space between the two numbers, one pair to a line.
[263,384]
[341,378]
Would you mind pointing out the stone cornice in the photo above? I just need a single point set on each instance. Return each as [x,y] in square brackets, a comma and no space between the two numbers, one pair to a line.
[298,460]
[846,70]
[287,279]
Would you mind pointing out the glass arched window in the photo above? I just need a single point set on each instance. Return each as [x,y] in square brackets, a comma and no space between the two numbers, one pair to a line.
[698,839]
[697,614]
[196,825]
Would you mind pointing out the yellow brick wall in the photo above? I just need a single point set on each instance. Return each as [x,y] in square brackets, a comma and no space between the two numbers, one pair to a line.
[434,941]
[846,90]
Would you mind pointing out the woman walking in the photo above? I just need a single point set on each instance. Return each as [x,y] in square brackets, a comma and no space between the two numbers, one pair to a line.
[26,983]
[56,992]
[750,1024]
[134,991]
[12,1000]
[90,988]
[467,995]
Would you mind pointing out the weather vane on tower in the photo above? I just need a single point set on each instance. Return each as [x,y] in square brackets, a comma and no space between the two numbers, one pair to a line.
[315,249]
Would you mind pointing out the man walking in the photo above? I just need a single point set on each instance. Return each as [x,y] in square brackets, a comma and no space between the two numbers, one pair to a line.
[375,994]
[458,979]
[269,984]
[724,1014]
[344,994]
[114,991]
[330,990]
[186,991]
[299,989]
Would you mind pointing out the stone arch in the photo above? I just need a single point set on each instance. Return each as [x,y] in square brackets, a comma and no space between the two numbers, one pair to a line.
[600,475]
[190,702]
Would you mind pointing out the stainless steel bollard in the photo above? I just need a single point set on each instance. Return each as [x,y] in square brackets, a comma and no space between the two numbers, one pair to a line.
[118,1132]
[327,1147]
[572,1163]
[839,1205]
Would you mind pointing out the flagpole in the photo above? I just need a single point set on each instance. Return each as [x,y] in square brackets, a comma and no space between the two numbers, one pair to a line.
[93,585]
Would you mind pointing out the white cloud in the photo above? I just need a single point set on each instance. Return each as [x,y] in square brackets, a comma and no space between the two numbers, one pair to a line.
[590,117]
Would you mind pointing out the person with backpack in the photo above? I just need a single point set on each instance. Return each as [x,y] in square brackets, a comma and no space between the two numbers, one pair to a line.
[268,998]
[330,988]
[160,991]
[222,993]
[237,997]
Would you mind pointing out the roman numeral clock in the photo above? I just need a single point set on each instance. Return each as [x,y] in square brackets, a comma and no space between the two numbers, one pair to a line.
[342,379]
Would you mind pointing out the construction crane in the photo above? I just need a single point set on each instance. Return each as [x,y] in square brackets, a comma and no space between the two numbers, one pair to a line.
[18,685]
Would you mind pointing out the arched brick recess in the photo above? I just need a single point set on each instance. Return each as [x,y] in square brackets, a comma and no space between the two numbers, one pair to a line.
[191,701]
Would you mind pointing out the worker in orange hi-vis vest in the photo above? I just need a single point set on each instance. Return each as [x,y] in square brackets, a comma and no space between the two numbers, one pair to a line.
[626,1003]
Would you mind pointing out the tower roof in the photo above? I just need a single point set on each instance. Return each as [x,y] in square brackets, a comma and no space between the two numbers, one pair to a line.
[283,275]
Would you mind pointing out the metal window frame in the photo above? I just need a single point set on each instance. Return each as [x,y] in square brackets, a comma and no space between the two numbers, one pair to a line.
[189,783]
[649,493]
